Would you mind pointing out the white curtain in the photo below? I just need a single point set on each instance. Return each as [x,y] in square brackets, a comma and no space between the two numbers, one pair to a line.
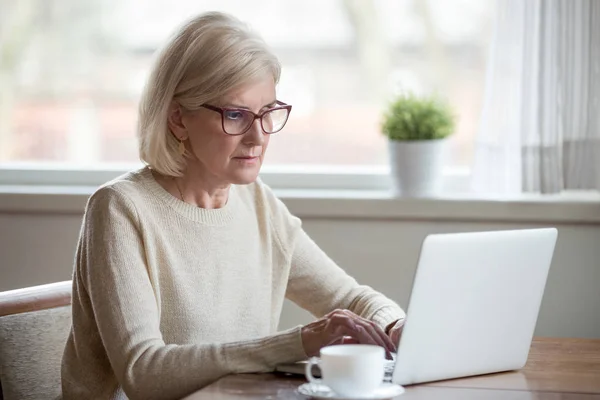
[540,127]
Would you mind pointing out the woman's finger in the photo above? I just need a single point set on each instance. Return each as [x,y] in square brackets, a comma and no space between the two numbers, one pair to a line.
[388,343]
[376,332]
[349,340]
[345,340]
[361,331]
[341,325]
[345,327]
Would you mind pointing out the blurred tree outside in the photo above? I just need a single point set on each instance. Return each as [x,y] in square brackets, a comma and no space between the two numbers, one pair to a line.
[375,52]
[16,30]
[44,46]
[71,71]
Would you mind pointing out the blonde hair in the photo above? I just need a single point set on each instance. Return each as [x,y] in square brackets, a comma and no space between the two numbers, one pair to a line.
[209,56]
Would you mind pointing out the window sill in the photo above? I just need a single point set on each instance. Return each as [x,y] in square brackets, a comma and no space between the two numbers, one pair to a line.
[347,204]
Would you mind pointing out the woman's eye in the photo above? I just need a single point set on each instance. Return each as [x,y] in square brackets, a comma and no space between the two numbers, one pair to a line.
[234,115]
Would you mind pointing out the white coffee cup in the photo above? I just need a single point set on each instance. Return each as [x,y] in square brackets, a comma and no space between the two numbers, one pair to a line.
[349,370]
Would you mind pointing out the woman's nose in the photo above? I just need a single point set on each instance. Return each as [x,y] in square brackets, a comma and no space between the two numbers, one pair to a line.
[255,134]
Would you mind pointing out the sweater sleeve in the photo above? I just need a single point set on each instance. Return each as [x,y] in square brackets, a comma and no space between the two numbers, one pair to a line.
[320,286]
[317,284]
[112,269]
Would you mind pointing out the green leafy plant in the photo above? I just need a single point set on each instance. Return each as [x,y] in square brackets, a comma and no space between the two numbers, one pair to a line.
[409,117]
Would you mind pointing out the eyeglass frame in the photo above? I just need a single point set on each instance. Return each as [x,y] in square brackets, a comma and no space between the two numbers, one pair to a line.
[221,110]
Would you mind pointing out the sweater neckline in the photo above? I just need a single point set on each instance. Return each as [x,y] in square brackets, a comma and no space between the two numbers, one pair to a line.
[215,216]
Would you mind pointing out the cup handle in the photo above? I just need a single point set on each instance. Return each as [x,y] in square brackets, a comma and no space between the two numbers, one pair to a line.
[308,371]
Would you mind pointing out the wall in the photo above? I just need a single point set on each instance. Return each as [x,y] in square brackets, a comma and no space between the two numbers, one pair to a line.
[37,246]
[387,254]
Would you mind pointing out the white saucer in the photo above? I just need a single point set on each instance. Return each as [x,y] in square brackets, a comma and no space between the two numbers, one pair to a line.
[385,391]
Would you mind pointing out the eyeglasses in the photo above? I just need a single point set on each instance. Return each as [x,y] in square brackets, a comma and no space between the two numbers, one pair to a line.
[237,121]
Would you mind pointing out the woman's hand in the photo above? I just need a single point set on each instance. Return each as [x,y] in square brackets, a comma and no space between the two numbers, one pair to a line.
[343,326]
[394,331]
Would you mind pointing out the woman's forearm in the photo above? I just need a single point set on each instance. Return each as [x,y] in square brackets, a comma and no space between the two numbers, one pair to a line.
[159,371]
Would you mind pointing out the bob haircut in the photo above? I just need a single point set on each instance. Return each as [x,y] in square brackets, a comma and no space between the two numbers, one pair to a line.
[207,57]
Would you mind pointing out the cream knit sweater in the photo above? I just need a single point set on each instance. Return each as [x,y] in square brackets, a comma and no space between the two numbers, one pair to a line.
[168,297]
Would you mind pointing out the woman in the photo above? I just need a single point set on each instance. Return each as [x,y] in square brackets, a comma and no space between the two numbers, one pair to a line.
[182,267]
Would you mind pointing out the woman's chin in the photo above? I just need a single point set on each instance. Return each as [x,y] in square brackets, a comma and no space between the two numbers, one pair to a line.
[245,177]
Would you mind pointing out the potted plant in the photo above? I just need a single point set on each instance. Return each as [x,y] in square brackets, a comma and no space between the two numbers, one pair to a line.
[417,128]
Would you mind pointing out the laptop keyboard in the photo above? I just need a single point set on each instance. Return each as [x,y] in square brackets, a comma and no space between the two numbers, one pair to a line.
[388,369]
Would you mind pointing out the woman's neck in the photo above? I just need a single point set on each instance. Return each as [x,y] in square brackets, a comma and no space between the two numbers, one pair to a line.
[193,192]
[196,188]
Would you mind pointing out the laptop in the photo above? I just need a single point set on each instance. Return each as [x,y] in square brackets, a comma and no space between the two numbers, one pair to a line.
[473,307]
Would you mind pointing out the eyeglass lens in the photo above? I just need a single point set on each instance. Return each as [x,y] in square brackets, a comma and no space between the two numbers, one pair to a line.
[238,121]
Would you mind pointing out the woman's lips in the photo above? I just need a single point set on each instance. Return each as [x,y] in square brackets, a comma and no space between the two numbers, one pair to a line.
[247,160]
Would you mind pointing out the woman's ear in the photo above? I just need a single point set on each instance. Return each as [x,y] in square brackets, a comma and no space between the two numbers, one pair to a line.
[175,121]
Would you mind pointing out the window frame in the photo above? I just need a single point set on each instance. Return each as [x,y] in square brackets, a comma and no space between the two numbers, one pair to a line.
[281,177]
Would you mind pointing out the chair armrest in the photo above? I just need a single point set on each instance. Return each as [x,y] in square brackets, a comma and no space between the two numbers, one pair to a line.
[35,298]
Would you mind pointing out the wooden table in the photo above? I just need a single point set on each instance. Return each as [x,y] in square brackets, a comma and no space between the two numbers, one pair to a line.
[557,369]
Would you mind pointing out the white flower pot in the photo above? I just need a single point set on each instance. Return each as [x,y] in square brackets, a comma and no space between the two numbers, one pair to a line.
[416,167]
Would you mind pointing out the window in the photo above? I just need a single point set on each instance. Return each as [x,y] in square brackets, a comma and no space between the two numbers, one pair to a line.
[71,72]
